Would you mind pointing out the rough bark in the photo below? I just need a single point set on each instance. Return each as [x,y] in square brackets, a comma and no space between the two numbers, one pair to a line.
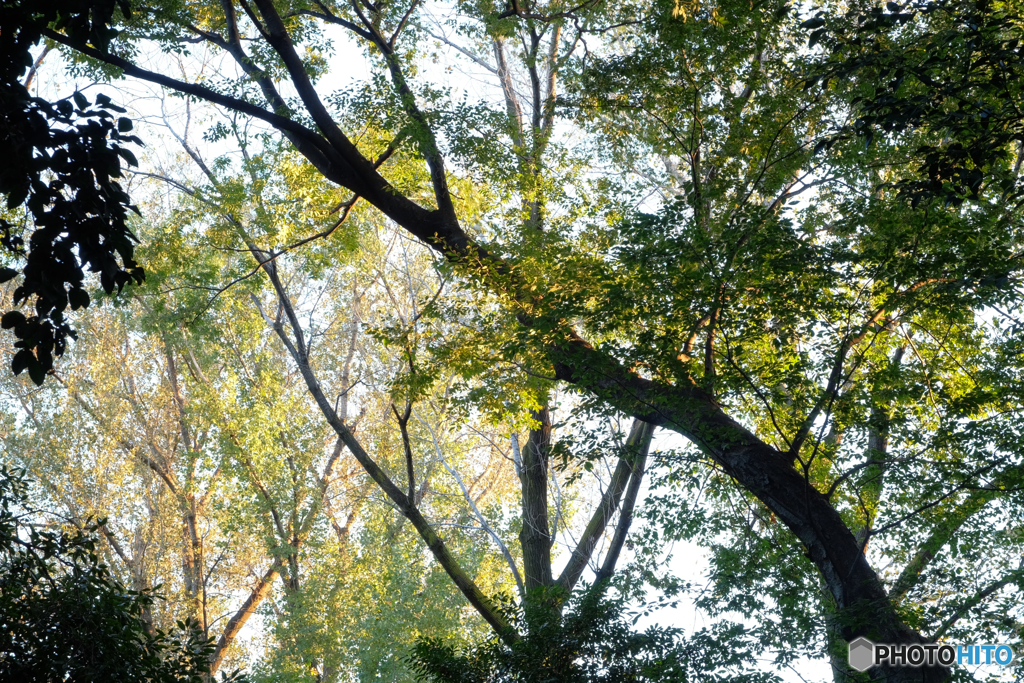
[535,536]
[192,563]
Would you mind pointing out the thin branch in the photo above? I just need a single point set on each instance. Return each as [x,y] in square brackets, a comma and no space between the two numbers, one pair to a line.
[39,62]
[834,382]
[514,10]
[332,18]
[401,24]
[403,425]
[476,511]
[625,520]
[276,120]
[977,598]
[464,51]
[926,506]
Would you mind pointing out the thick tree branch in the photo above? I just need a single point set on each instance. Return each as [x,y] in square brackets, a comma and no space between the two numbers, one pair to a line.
[636,478]
[636,446]
[238,620]
[944,531]
[761,469]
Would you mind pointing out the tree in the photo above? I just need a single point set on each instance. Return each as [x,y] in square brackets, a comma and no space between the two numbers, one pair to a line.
[832,362]
[946,70]
[188,442]
[913,458]
[65,618]
[409,334]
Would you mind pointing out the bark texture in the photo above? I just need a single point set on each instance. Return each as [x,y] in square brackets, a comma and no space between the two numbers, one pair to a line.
[535,536]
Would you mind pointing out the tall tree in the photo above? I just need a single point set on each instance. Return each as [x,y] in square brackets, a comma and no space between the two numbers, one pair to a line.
[834,360]
[66,618]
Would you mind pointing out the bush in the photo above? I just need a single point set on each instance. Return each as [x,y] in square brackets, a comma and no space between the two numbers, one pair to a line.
[64,618]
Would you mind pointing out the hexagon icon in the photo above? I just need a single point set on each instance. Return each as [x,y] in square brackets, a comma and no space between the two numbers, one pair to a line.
[862,654]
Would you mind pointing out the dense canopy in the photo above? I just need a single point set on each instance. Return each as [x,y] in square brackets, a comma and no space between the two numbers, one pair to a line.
[456,317]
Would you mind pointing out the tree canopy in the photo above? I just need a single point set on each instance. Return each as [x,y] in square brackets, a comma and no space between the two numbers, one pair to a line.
[789,236]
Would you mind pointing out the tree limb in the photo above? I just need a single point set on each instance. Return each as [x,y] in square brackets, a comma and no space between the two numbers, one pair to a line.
[636,446]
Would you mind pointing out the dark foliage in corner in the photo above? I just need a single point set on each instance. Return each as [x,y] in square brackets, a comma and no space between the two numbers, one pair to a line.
[61,160]
[64,618]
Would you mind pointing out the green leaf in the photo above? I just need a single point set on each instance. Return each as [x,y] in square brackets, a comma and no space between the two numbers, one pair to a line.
[127,156]
[36,371]
[17,196]
[20,361]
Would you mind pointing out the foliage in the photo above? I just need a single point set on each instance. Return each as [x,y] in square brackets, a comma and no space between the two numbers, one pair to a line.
[588,639]
[62,162]
[865,336]
[66,618]
[253,485]
[690,236]
[949,69]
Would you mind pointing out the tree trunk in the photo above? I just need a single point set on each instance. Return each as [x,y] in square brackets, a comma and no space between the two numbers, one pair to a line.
[192,564]
[535,536]
[248,608]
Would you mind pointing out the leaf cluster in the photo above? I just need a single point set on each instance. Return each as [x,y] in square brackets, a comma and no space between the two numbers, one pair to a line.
[62,162]
[64,616]
[950,72]
[590,641]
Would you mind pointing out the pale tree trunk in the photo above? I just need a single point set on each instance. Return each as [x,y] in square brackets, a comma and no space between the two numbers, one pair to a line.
[260,591]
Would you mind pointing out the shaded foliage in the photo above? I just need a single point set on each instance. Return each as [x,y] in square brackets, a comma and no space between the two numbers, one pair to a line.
[64,617]
[587,639]
[950,70]
[61,163]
